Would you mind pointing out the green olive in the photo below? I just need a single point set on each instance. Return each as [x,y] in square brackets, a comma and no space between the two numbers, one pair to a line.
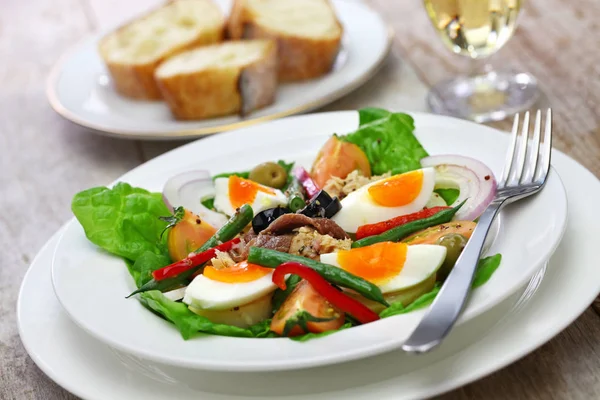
[269,174]
[454,244]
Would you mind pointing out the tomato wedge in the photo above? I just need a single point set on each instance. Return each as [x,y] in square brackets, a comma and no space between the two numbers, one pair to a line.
[188,235]
[339,158]
[305,298]
[331,295]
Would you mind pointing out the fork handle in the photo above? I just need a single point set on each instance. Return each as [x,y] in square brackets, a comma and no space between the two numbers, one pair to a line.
[449,302]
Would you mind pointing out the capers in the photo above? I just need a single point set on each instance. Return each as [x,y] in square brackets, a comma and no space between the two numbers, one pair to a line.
[454,244]
[269,174]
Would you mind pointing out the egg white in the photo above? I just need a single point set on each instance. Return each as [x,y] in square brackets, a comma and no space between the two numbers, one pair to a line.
[207,294]
[261,202]
[422,261]
[358,208]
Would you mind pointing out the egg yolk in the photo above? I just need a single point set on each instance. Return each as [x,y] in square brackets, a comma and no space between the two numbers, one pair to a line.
[377,263]
[243,191]
[398,190]
[239,273]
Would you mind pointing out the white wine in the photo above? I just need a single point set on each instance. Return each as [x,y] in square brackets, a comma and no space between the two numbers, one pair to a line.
[475,28]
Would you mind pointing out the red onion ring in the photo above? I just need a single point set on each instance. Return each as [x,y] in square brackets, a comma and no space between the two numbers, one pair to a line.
[186,190]
[474,179]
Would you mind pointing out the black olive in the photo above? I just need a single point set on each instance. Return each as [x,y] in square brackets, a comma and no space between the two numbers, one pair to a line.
[333,208]
[322,206]
[264,218]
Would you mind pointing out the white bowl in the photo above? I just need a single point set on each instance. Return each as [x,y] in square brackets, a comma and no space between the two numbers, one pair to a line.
[92,285]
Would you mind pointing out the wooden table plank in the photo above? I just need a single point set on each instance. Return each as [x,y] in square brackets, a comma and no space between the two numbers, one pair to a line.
[44,160]
[561,369]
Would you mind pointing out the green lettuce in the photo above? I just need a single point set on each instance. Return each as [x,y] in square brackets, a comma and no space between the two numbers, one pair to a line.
[208,202]
[370,114]
[485,268]
[279,295]
[448,195]
[310,336]
[133,272]
[388,141]
[122,220]
[189,323]
[422,301]
[148,262]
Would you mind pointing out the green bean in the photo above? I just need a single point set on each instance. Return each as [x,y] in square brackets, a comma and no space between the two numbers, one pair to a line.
[296,203]
[402,231]
[295,193]
[227,232]
[272,259]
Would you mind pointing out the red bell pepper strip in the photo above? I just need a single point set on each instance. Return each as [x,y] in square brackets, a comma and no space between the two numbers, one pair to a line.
[307,182]
[338,299]
[380,227]
[190,262]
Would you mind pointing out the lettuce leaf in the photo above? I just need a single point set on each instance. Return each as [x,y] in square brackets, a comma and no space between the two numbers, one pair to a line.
[485,268]
[147,263]
[310,336]
[422,301]
[279,295]
[448,195]
[388,141]
[370,114]
[133,272]
[122,220]
[208,202]
[189,323]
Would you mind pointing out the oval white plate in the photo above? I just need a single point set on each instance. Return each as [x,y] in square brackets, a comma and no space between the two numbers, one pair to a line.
[91,284]
[79,86]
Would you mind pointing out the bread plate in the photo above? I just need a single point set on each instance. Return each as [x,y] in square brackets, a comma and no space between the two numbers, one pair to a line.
[80,88]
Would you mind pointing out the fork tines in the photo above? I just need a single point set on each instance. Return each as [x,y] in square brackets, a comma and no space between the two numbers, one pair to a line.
[528,158]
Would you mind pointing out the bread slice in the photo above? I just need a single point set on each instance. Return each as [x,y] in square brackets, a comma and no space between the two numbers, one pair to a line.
[307,32]
[231,77]
[133,52]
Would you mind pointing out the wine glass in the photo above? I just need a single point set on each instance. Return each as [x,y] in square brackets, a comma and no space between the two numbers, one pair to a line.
[477,29]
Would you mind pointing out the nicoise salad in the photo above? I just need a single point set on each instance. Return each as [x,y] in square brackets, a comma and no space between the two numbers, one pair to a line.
[369,231]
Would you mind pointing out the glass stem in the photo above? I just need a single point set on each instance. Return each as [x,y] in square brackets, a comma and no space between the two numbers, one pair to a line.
[480,66]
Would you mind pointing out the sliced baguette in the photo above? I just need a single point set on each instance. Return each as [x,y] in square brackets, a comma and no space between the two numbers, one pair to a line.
[307,32]
[227,78]
[133,52]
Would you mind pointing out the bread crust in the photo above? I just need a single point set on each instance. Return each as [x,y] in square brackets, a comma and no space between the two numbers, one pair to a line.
[217,91]
[136,80]
[299,58]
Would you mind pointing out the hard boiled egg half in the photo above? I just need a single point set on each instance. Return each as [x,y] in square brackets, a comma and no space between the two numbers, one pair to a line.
[387,198]
[391,266]
[239,295]
[233,192]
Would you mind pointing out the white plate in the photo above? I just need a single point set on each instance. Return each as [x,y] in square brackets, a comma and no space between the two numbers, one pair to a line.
[79,86]
[91,284]
[91,370]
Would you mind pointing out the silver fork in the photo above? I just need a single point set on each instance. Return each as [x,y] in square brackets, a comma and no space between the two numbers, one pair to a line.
[525,173]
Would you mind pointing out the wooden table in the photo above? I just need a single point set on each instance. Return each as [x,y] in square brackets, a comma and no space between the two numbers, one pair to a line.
[44,159]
